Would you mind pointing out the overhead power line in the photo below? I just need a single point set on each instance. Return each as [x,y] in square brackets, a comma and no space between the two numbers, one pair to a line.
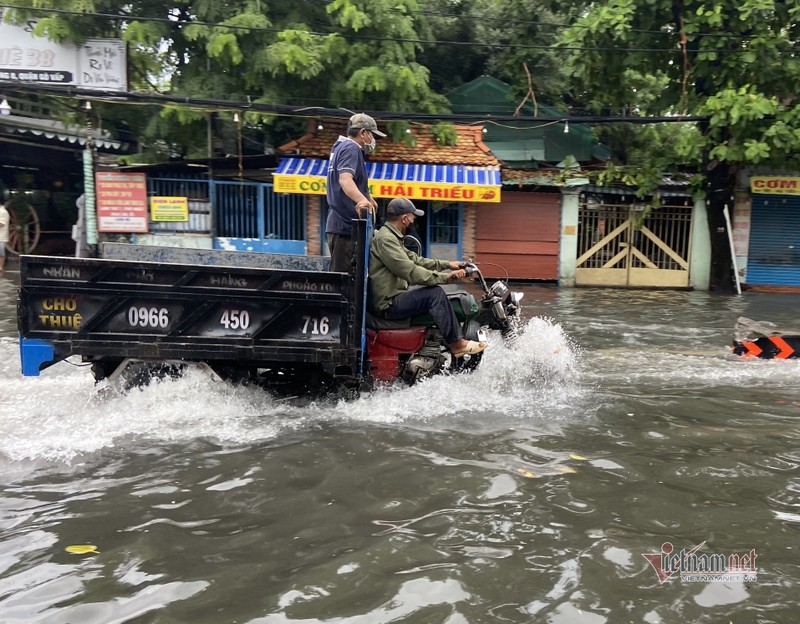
[288,110]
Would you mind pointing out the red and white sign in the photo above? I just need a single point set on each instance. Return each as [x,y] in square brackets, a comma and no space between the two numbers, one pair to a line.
[121,202]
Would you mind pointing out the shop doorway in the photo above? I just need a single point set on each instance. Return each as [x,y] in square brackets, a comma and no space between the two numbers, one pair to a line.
[774,247]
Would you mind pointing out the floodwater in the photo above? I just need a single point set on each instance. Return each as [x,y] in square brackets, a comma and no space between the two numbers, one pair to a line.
[528,491]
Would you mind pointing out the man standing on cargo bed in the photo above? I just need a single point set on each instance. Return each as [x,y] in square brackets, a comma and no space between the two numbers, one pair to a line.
[348,187]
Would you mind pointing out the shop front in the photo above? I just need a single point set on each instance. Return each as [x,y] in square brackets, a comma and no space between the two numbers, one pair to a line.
[450,193]
[773,245]
[521,235]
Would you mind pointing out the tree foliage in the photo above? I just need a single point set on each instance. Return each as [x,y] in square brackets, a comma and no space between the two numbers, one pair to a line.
[733,61]
[352,54]
[522,34]
[499,38]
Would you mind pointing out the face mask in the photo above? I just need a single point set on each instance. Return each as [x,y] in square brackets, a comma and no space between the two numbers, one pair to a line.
[370,147]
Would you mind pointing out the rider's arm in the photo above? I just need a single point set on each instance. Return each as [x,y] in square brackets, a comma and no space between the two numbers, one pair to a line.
[414,269]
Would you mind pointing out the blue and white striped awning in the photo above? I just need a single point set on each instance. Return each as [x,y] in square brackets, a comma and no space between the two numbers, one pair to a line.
[302,167]
[418,181]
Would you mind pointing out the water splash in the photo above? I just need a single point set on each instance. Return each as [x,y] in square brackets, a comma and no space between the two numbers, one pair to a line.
[531,379]
[62,415]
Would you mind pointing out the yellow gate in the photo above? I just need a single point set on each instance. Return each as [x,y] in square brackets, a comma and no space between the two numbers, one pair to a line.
[613,251]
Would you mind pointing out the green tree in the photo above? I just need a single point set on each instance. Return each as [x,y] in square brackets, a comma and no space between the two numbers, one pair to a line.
[500,38]
[457,59]
[350,54]
[522,34]
[734,62]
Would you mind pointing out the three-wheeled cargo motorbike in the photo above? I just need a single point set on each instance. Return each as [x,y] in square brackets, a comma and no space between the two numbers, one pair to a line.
[280,321]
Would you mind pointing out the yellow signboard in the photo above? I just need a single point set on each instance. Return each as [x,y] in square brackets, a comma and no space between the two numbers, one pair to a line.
[775,185]
[169,208]
[430,191]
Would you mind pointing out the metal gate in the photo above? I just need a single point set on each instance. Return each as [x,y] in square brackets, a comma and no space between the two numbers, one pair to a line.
[519,237]
[614,250]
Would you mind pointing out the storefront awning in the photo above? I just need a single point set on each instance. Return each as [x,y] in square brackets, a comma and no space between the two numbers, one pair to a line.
[421,182]
[52,129]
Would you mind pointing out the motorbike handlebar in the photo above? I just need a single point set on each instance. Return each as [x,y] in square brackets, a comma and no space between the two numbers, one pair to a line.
[469,268]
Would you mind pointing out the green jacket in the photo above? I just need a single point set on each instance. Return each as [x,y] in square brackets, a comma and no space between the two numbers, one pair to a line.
[393,268]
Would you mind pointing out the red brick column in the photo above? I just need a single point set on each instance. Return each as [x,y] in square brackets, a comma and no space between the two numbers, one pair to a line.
[313,242]
[469,244]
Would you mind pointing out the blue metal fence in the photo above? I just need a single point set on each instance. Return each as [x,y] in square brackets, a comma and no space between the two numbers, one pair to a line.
[287,218]
[239,215]
[239,209]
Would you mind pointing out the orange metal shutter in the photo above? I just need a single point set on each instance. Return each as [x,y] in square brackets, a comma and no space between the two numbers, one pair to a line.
[521,235]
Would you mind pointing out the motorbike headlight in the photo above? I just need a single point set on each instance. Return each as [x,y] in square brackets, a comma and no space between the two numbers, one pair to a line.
[499,289]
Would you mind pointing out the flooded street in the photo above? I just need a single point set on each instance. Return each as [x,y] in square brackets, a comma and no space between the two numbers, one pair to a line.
[528,491]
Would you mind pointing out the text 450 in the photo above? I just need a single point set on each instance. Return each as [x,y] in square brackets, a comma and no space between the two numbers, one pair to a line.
[235,319]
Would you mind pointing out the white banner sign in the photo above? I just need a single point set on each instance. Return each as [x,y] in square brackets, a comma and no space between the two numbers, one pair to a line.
[97,64]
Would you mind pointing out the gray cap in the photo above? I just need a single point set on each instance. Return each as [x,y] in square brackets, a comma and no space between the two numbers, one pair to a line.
[400,206]
[362,121]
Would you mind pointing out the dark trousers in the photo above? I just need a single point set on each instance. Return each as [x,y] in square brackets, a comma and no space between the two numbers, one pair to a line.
[430,299]
[341,247]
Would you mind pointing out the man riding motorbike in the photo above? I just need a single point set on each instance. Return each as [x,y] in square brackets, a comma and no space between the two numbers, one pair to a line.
[393,268]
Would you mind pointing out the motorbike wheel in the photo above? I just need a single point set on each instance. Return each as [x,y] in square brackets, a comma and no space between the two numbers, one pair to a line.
[465,364]
[101,369]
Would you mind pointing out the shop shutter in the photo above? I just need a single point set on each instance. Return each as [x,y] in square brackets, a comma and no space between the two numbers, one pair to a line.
[774,253]
[521,235]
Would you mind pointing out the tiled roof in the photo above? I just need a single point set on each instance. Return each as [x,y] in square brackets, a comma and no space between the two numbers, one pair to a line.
[527,176]
[542,177]
[468,150]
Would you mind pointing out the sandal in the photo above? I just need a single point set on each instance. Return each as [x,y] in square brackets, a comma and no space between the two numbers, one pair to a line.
[473,348]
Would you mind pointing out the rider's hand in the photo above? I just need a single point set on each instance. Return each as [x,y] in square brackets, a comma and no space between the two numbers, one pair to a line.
[455,264]
[458,274]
